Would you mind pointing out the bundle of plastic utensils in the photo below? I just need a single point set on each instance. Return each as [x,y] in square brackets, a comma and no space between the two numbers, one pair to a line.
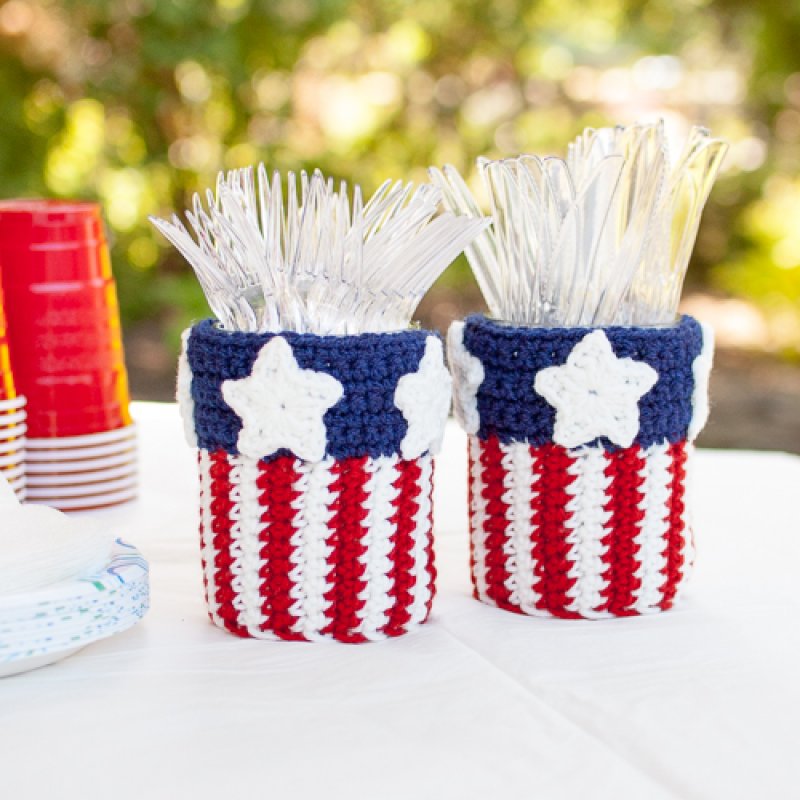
[320,260]
[602,237]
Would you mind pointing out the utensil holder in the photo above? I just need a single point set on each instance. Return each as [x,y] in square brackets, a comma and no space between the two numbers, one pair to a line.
[579,444]
[316,472]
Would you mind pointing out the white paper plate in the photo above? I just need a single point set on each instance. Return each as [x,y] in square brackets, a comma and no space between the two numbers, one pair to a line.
[34,662]
[69,621]
[71,442]
[57,620]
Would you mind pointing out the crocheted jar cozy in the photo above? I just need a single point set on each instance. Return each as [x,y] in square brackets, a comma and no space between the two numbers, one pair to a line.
[315,457]
[579,442]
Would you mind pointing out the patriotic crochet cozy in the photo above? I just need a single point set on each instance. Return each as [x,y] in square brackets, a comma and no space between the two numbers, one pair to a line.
[316,470]
[578,447]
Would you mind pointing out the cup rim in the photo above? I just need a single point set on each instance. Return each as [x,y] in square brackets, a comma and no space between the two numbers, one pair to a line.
[71,442]
[15,432]
[13,459]
[82,478]
[13,403]
[502,328]
[87,465]
[211,330]
[81,454]
[12,445]
[12,473]
[13,418]
[87,503]
[87,490]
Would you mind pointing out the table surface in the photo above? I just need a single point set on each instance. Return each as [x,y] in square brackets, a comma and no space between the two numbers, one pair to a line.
[701,702]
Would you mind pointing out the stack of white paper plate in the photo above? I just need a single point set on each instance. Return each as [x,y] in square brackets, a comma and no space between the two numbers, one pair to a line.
[44,625]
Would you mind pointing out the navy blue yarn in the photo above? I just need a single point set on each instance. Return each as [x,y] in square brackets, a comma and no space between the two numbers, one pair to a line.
[511,410]
[364,422]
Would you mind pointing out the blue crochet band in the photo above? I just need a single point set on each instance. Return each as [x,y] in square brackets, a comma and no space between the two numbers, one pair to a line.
[510,408]
[365,422]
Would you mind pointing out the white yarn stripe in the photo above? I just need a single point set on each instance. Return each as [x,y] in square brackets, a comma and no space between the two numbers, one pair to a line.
[207,536]
[520,477]
[183,391]
[235,549]
[422,533]
[298,556]
[312,574]
[249,532]
[587,527]
[478,520]
[651,540]
[381,494]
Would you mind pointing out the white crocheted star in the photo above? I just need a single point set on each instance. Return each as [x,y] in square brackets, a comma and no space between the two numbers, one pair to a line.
[424,398]
[595,393]
[282,405]
[468,375]
[183,391]
[701,369]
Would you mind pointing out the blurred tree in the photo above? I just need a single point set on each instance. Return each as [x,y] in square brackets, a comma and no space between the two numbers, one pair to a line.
[138,103]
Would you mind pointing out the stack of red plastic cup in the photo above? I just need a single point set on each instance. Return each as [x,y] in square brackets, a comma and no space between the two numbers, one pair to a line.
[12,417]
[66,348]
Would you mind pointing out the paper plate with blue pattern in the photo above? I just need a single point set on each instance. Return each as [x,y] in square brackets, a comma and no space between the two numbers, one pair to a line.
[44,626]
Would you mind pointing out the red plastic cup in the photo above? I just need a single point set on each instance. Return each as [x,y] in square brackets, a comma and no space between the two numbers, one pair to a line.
[63,317]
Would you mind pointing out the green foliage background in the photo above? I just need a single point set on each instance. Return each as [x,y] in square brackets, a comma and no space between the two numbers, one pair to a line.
[138,103]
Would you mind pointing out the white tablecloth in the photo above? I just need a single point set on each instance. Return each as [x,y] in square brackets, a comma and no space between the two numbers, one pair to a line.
[702,702]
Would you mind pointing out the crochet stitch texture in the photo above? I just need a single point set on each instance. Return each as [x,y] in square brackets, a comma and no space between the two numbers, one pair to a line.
[512,357]
[596,529]
[336,544]
[365,421]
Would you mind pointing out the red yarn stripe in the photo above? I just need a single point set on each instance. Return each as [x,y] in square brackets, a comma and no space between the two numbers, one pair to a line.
[347,533]
[674,551]
[496,524]
[276,481]
[406,506]
[550,548]
[624,469]
[221,504]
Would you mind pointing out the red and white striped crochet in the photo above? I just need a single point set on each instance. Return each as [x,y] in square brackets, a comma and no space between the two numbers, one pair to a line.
[303,551]
[334,545]
[578,533]
[591,530]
